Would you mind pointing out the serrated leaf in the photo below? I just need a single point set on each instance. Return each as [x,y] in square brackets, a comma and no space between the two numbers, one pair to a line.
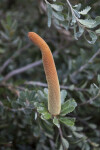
[65,143]
[67,121]
[49,14]
[58,16]
[85,11]
[63,95]
[68,107]
[57,7]
[56,122]
[87,22]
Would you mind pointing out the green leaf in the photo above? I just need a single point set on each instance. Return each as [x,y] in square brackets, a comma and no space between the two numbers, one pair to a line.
[78,135]
[75,35]
[65,25]
[93,36]
[56,122]
[2,50]
[97,21]
[41,96]
[41,108]
[87,22]
[48,128]
[57,7]
[63,95]
[78,6]
[49,14]
[67,121]
[65,143]
[58,16]
[80,32]
[46,91]
[61,147]
[76,13]
[98,78]
[72,87]
[68,107]
[85,11]
[98,31]
[93,89]
[46,116]
[73,20]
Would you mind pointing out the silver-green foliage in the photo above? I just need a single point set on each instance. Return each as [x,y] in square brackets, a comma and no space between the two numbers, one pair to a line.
[71,17]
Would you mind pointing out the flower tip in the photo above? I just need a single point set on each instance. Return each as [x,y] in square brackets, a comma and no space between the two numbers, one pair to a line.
[30,34]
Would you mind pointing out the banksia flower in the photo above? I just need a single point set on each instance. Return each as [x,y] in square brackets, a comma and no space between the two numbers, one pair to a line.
[54,100]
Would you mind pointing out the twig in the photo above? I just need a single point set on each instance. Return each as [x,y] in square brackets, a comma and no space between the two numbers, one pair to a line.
[90,100]
[12,88]
[9,60]
[86,64]
[23,69]
[61,136]
[20,70]
[62,86]
[6,63]
[72,9]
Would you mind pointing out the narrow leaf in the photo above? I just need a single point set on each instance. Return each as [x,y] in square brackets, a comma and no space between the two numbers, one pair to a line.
[63,95]
[58,16]
[80,32]
[78,135]
[57,7]
[49,14]
[98,78]
[65,143]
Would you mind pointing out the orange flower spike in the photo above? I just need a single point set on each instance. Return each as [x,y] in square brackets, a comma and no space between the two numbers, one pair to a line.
[54,98]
